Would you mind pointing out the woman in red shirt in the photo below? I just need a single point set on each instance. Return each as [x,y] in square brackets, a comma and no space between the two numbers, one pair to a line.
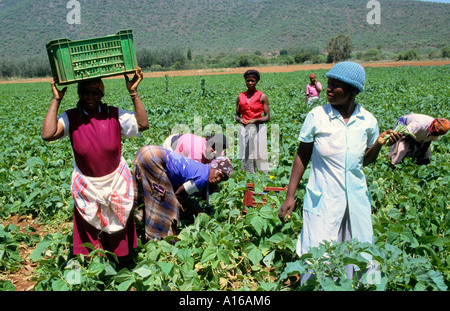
[250,107]
[101,183]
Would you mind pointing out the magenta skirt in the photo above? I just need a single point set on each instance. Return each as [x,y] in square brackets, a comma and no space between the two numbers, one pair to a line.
[120,243]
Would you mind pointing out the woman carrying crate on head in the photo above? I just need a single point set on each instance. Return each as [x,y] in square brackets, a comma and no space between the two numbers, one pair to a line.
[101,183]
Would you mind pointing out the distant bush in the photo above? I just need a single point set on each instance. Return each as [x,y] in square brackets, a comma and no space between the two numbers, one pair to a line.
[26,67]
[370,55]
[409,55]
[318,59]
[285,60]
[169,57]
[302,57]
[258,60]
[446,51]
[243,61]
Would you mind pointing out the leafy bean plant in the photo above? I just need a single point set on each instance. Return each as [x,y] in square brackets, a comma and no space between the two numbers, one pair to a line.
[231,246]
[377,268]
[228,249]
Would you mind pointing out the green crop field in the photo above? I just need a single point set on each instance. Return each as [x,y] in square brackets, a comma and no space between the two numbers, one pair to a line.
[226,248]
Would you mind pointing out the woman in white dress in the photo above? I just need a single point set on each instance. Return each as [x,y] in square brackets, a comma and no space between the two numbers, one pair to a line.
[338,138]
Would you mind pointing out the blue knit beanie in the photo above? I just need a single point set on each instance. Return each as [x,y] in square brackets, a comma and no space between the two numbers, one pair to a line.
[350,73]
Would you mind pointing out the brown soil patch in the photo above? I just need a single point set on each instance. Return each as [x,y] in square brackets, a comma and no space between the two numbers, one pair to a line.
[267,69]
[22,279]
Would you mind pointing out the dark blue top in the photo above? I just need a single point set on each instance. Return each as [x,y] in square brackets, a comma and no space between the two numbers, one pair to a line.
[181,169]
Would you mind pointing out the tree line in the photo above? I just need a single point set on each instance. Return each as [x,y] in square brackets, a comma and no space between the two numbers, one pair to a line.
[338,48]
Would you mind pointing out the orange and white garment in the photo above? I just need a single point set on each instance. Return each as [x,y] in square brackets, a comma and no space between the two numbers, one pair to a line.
[104,202]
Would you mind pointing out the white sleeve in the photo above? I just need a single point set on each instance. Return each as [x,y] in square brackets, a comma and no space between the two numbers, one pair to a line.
[190,187]
[64,120]
[128,124]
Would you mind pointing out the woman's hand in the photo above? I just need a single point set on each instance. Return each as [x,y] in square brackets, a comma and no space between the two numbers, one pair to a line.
[371,153]
[57,94]
[286,208]
[133,84]
[393,138]
[242,121]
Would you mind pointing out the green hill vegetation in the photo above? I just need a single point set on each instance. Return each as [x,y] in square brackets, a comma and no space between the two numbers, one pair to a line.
[208,28]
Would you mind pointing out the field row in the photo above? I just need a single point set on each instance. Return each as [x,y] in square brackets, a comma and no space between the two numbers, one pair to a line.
[229,249]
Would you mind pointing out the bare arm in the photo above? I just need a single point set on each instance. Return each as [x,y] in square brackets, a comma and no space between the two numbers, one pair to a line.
[238,117]
[371,153]
[307,96]
[318,86]
[139,110]
[301,161]
[51,128]
[186,202]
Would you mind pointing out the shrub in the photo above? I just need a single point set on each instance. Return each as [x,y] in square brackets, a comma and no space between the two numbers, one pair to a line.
[302,57]
[409,55]
[371,55]
[446,51]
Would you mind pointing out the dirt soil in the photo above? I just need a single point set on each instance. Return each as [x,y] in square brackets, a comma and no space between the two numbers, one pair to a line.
[22,279]
[267,69]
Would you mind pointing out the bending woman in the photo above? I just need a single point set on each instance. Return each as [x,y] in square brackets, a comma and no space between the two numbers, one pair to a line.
[163,182]
[425,129]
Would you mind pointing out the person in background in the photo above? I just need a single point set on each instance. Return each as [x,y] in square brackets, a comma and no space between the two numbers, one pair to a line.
[252,112]
[101,182]
[425,129]
[313,90]
[339,139]
[198,148]
[163,181]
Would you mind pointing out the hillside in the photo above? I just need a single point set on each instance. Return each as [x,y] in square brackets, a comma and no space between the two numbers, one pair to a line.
[225,26]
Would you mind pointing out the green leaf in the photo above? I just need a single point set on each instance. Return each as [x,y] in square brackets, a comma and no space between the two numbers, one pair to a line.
[328,284]
[255,256]
[277,238]
[209,254]
[124,286]
[166,267]
[74,276]
[29,201]
[123,275]
[258,223]
[59,285]
[292,268]
[184,254]
[36,254]
[268,259]
[34,161]
[266,212]
[432,278]
[224,255]
[109,269]
[95,268]
[143,271]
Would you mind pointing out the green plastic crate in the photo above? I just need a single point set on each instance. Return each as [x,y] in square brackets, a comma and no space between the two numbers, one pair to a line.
[75,61]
